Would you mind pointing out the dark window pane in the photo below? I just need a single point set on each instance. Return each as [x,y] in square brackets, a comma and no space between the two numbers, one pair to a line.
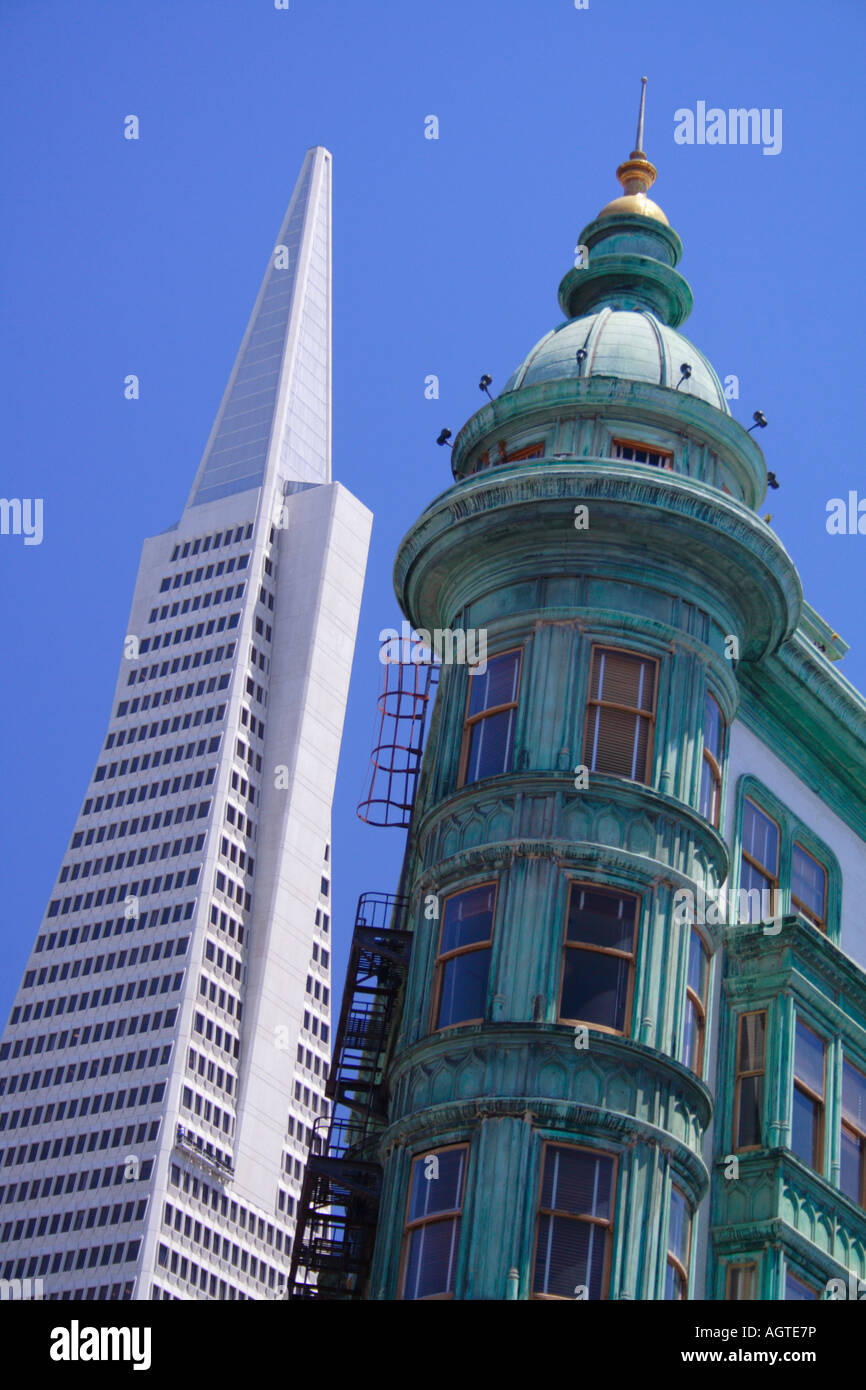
[600,918]
[809,1058]
[760,837]
[851,1156]
[569,1254]
[464,988]
[713,728]
[431,1259]
[697,973]
[759,905]
[709,798]
[678,1227]
[854,1096]
[595,988]
[442,1190]
[751,1042]
[808,881]
[674,1286]
[751,1114]
[804,1127]
[468,918]
[498,684]
[796,1291]
[691,1036]
[491,745]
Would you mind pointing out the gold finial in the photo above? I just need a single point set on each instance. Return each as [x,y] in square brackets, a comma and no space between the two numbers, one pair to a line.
[636,175]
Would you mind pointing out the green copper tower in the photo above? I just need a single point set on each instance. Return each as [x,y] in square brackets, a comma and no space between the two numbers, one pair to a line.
[621,1001]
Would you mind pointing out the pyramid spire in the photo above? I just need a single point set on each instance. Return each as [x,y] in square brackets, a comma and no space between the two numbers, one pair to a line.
[275,415]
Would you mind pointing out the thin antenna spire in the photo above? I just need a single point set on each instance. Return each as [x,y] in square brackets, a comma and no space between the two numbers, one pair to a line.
[638,149]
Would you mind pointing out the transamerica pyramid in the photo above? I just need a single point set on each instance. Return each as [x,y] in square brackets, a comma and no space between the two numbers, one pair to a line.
[166,1055]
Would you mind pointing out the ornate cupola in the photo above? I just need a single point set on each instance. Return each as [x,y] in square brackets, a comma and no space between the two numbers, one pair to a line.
[629,252]
[601,536]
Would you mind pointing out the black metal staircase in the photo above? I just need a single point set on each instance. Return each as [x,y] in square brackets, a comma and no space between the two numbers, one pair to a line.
[336,1219]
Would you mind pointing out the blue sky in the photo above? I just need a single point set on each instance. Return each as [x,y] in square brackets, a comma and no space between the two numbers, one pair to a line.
[145,257]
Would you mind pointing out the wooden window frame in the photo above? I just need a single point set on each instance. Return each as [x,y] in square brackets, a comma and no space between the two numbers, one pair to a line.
[741,1076]
[817,1160]
[667,454]
[528,451]
[631,957]
[593,703]
[795,1274]
[819,922]
[470,721]
[794,835]
[674,1260]
[710,759]
[858,1134]
[742,1265]
[555,1213]
[748,858]
[410,1226]
[443,957]
[700,1004]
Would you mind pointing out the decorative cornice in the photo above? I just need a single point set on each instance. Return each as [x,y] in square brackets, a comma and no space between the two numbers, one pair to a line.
[558,1040]
[694,534]
[456,1120]
[779,957]
[602,790]
[780,1171]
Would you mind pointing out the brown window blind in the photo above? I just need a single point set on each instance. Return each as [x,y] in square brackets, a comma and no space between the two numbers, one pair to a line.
[574,1225]
[620,714]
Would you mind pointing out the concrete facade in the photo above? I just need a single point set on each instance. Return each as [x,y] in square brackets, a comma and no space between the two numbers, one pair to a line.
[190,1192]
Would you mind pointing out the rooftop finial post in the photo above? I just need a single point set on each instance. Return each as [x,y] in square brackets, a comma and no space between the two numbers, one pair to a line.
[636,174]
[638,149]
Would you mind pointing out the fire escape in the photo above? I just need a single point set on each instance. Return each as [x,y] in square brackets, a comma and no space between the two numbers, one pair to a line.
[336,1219]
[338,1207]
[409,679]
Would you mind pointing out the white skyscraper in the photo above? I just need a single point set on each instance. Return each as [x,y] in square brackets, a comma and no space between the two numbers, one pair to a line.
[166,1055]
